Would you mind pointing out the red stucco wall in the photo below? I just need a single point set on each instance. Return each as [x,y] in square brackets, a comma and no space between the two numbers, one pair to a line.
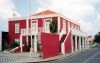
[68,44]
[11,28]
[50,45]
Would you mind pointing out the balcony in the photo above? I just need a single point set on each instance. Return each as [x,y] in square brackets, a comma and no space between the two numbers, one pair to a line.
[31,31]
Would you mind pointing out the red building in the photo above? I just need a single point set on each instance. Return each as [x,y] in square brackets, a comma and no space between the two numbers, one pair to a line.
[35,31]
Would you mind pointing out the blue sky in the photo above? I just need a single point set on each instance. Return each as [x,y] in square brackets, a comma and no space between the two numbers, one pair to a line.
[85,12]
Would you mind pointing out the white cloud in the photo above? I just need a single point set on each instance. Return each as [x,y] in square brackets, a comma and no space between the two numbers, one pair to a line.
[76,10]
[7,9]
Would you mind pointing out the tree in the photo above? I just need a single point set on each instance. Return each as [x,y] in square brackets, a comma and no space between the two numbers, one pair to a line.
[53,26]
[97,37]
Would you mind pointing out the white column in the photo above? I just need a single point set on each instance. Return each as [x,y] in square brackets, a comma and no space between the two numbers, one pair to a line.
[75,43]
[87,44]
[79,43]
[0,40]
[58,24]
[83,43]
[21,44]
[72,43]
[63,48]
[31,43]
[27,40]
[35,43]
[31,49]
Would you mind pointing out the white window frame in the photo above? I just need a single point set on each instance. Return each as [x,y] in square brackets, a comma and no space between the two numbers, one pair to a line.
[64,25]
[33,24]
[17,27]
[47,26]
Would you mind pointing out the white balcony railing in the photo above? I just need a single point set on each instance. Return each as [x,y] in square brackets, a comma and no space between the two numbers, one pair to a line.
[31,31]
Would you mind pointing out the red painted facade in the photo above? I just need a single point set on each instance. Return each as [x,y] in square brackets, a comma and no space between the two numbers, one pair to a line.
[68,47]
[50,45]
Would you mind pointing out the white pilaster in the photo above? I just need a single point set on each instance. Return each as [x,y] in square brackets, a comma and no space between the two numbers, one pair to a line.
[79,43]
[35,43]
[58,24]
[75,43]
[21,44]
[83,43]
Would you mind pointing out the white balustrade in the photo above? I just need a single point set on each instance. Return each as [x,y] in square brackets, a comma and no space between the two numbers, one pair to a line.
[31,31]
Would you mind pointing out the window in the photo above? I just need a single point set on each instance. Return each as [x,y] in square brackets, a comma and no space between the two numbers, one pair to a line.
[17,28]
[34,23]
[47,23]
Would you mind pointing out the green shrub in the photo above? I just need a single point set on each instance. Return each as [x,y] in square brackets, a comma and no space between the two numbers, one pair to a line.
[15,44]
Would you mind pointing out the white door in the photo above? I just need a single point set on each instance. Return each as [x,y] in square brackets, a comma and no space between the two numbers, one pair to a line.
[34,26]
[47,25]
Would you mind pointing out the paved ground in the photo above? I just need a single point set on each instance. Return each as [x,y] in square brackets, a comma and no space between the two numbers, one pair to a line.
[90,56]
[15,58]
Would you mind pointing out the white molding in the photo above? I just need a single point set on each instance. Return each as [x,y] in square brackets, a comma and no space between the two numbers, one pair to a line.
[45,16]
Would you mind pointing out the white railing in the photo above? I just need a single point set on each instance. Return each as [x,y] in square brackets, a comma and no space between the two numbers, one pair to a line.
[31,31]
[23,31]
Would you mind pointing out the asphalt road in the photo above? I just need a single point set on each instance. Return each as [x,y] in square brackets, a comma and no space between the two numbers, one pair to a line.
[89,56]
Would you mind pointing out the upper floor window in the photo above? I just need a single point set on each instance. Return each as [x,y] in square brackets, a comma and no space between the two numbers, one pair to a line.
[34,23]
[17,26]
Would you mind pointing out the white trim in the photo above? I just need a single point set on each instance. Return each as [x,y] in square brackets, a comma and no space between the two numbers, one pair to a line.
[45,16]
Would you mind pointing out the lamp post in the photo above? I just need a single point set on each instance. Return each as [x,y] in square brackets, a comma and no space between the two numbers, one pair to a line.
[31,49]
